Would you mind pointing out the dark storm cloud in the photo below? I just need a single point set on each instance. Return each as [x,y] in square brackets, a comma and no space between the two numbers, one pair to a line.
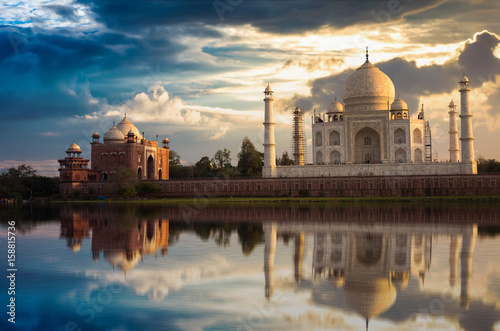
[52,74]
[64,11]
[271,16]
[477,60]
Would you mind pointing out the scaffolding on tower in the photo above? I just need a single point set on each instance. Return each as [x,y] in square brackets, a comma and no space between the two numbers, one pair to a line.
[428,143]
[298,138]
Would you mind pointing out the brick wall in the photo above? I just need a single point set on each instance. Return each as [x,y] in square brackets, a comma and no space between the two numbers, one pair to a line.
[398,186]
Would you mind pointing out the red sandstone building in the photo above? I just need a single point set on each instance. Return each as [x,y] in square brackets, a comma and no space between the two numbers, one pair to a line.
[123,146]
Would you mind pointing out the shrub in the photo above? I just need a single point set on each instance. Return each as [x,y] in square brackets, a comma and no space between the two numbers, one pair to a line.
[127,192]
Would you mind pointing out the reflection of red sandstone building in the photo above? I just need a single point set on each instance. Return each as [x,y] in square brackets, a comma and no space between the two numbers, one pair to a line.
[75,228]
[123,248]
[123,147]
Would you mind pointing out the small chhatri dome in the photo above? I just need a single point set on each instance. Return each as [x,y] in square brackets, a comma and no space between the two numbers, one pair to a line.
[268,89]
[335,107]
[452,104]
[131,133]
[95,134]
[73,148]
[125,126]
[399,104]
[464,79]
[166,140]
[297,110]
[114,135]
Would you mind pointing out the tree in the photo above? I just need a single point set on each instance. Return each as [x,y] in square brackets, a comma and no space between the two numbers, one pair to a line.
[179,171]
[173,158]
[148,189]
[250,160]
[17,182]
[284,160]
[123,177]
[127,192]
[203,168]
[487,165]
[223,158]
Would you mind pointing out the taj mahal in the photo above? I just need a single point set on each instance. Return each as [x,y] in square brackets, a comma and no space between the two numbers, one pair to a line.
[371,134]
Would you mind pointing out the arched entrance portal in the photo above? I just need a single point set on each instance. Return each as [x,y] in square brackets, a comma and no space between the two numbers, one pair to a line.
[151,167]
[367,146]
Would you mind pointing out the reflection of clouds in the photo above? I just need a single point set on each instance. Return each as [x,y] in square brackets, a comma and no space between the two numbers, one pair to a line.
[492,294]
[196,325]
[156,284]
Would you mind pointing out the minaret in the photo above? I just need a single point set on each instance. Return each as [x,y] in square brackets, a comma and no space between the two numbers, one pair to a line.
[428,142]
[468,241]
[298,138]
[454,245]
[298,256]
[269,250]
[269,144]
[454,150]
[466,136]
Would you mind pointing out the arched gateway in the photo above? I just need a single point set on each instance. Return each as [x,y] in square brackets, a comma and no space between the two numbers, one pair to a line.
[367,146]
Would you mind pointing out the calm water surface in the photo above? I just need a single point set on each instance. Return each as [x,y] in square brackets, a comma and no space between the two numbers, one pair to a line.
[348,267]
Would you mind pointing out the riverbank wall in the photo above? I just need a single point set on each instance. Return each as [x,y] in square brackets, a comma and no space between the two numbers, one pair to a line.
[383,186]
[358,186]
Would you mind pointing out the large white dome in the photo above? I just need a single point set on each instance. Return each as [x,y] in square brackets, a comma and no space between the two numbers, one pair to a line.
[125,126]
[368,85]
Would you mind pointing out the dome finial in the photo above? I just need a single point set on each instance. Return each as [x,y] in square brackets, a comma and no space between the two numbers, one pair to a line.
[366,53]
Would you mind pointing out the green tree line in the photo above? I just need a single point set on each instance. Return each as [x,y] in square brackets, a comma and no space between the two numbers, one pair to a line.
[22,183]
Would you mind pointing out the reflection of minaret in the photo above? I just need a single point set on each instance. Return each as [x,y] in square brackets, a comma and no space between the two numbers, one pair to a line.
[468,242]
[298,255]
[164,226]
[269,250]
[428,252]
[454,243]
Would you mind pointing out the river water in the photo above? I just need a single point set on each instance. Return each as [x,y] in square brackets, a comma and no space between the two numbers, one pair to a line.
[344,266]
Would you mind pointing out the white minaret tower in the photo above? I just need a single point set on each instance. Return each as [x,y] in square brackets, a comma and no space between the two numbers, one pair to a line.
[454,150]
[270,235]
[269,143]
[466,137]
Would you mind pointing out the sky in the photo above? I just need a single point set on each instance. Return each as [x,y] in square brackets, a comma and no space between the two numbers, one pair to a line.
[195,71]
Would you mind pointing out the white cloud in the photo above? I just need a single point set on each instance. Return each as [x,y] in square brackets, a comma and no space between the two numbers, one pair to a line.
[156,105]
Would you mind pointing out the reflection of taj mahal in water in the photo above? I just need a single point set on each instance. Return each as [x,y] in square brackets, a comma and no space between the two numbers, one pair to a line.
[371,263]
